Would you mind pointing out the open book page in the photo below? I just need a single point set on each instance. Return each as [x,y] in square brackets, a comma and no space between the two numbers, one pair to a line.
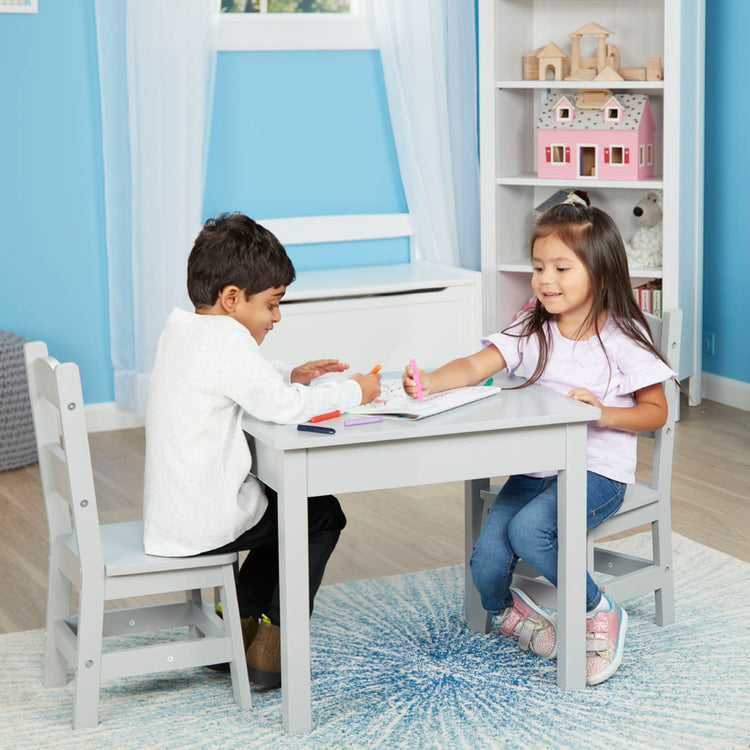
[393,401]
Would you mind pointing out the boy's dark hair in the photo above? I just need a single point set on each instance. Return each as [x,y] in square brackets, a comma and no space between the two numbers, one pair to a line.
[234,249]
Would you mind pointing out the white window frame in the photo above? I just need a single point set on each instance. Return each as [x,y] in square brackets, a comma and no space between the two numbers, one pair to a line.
[612,162]
[560,146]
[298,31]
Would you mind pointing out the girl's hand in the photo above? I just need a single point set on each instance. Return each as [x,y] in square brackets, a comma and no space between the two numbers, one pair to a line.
[310,370]
[649,412]
[410,384]
[370,385]
[583,394]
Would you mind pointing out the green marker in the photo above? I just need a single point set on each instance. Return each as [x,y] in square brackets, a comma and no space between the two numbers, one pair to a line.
[489,381]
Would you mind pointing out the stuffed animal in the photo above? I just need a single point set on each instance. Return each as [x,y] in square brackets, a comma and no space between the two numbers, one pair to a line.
[644,250]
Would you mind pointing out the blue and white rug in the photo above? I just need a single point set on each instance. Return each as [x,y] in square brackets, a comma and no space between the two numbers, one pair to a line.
[394,666]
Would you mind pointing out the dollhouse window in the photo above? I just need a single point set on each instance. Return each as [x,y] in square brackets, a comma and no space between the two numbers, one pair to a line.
[650,154]
[563,111]
[612,113]
[617,155]
[642,156]
[558,154]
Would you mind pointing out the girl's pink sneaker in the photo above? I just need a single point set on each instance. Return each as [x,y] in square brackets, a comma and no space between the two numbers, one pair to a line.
[605,640]
[530,624]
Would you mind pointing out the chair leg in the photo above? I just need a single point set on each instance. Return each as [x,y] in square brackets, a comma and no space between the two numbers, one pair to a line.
[196,597]
[89,660]
[662,549]
[237,666]
[58,608]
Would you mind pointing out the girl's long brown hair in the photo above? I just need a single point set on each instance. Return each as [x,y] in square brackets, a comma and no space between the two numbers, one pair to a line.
[593,236]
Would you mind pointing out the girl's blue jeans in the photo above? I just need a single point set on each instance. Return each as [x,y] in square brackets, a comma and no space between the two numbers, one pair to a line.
[523,523]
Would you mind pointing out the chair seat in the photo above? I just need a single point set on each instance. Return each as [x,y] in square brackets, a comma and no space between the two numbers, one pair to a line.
[637,495]
[124,555]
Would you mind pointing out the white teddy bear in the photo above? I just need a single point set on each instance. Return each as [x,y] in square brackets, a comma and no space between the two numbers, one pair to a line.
[644,250]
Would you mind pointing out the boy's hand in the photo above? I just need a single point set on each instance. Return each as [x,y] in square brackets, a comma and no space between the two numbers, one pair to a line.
[370,385]
[410,385]
[310,370]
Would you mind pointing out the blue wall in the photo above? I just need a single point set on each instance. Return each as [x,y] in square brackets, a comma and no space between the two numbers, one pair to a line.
[726,256]
[305,134]
[309,134]
[53,279]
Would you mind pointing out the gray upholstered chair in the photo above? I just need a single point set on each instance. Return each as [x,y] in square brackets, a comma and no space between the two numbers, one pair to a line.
[644,503]
[106,562]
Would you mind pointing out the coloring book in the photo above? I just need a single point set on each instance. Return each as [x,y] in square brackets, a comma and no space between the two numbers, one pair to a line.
[393,401]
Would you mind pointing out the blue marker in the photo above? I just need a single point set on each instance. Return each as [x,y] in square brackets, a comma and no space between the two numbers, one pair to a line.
[316,428]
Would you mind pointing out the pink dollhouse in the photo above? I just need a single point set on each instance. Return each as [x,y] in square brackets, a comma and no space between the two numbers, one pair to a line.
[595,135]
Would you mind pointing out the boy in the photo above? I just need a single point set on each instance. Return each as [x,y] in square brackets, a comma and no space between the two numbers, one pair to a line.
[198,494]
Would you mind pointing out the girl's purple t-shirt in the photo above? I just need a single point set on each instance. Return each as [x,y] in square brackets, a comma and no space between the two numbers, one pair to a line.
[612,377]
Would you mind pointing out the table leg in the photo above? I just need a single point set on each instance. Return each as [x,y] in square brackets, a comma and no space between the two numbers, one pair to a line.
[571,562]
[294,594]
[476,616]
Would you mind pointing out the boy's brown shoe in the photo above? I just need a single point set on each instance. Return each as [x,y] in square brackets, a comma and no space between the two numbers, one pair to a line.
[249,631]
[264,655]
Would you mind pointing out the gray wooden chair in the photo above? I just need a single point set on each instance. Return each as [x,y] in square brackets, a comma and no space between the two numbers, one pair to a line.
[107,562]
[644,503]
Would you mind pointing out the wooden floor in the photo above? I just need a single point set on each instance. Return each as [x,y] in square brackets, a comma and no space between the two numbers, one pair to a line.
[388,532]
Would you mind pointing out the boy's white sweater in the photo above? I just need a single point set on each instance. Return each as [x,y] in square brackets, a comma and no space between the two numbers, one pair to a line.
[198,493]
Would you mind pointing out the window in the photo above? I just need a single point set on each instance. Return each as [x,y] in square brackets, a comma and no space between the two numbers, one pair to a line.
[650,153]
[255,25]
[641,156]
[287,6]
[563,111]
[613,112]
[617,155]
[558,154]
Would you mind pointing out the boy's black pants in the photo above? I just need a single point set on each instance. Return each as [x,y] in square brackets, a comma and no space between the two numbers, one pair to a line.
[258,579]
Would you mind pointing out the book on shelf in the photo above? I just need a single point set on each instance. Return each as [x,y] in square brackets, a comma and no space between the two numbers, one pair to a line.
[394,403]
[648,297]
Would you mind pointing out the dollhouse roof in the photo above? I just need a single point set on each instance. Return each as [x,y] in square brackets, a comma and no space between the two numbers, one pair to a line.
[634,105]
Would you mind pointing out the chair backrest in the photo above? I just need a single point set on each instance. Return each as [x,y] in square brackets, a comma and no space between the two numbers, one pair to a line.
[64,457]
[666,332]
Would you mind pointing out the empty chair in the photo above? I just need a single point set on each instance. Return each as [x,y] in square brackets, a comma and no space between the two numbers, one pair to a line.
[107,562]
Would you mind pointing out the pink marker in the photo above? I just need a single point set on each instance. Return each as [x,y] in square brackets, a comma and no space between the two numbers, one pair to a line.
[415,375]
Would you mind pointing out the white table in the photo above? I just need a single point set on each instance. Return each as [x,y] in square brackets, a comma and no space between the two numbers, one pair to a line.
[515,432]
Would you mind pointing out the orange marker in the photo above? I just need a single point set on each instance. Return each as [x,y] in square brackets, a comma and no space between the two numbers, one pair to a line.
[323,417]
[375,370]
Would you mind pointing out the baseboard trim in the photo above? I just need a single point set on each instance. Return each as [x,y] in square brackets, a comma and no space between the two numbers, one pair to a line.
[106,416]
[726,391]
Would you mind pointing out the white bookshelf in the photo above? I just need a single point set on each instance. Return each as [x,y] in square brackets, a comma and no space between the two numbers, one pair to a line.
[508,110]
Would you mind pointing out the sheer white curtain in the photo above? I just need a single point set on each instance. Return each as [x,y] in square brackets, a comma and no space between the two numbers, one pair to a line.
[156,70]
[428,51]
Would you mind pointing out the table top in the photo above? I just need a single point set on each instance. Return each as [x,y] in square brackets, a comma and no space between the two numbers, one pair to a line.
[510,409]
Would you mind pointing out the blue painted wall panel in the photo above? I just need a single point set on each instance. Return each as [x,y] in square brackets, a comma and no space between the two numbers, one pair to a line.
[53,279]
[726,257]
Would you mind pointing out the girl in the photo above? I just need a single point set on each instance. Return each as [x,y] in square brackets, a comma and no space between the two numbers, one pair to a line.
[586,338]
